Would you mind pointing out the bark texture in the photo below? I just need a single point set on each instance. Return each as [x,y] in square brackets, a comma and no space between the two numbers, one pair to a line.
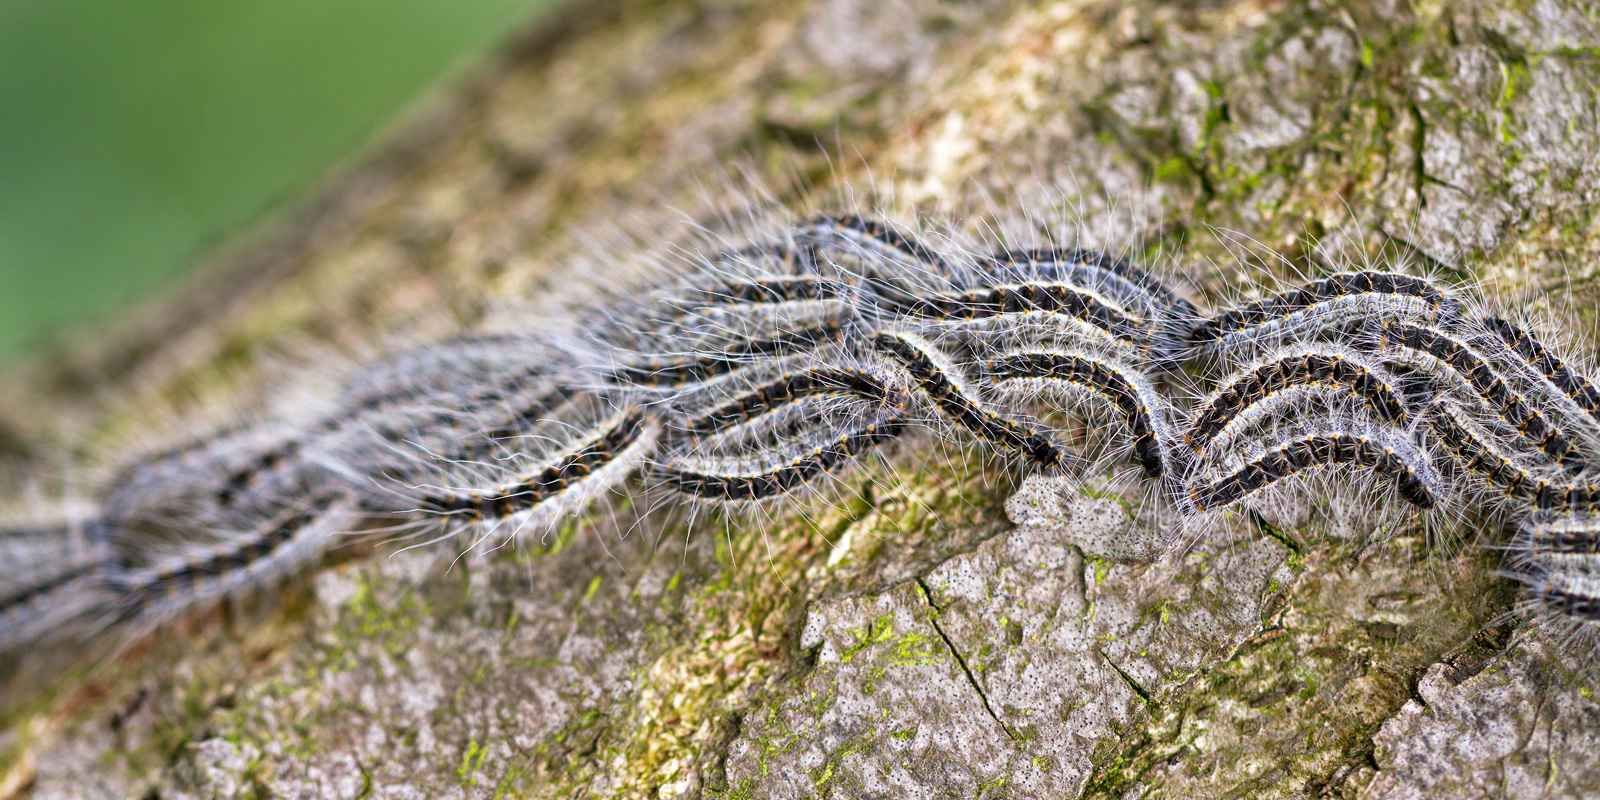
[916,645]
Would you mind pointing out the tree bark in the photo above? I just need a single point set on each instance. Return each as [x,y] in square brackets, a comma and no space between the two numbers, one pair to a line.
[917,645]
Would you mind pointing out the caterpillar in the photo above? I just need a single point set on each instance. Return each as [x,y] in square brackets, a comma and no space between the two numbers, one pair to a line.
[787,388]
[1023,373]
[943,385]
[739,481]
[768,367]
[1393,460]
[1330,304]
[277,548]
[1308,366]
[1554,370]
[1473,370]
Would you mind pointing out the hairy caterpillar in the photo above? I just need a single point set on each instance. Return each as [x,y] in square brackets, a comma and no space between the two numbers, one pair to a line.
[1321,305]
[1028,373]
[1308,366]
[770,366]
[1391,459]
[1472,369]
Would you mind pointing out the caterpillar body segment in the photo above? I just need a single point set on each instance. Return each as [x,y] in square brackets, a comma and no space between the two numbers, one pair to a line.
[457,429]
[1144,412]
[774,433]
[217,467]
[172,507]
[26,548]
[1096,270]
[533,441]
[160,467]
[766,257]
[461,395]
[1021,289]
[1562,377]
[699,330]
[889,267]
[1575,596]
[1576,399]
[909,282]
[727,315]
[1567,604]
[1387,458]
[452,368]
[19,593]
[581,462]
[766,290]
[1309,404]
[777,474]
[877,241]
[1275,386]
[1033,299]
[50,580]
[786,389]
[1555,541]
[1299,299]
[1321,309]
[561,469]
[1556,558]
[503,435]
[1520,482]
[63,603]
[274,549]
[678,370]
[1136,293]
[944,386]
[1467,369]
[1561,591]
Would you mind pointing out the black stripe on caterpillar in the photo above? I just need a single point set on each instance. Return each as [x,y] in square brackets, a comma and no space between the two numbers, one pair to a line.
[1574,595]
[787,388]
[765,290]
[1556,540]
[1304,367]
[940,382]
[1391,459]
[769,257]
[779,480]
[1130,394]
[505,434]
[278,547]
[1476,371]
[1512,479]
[987,303]
[699,367]
[1094,269]
[1336,300]
[868,235]
[625,430]
[50,606]
[380,413]
[1534,353]
[28,592]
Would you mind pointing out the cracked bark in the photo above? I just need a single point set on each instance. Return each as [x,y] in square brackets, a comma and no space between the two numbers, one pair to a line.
[966,670]
[1143,694]
[800,659]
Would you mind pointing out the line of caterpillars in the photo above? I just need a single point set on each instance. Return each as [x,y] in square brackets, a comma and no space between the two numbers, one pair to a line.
[767,369]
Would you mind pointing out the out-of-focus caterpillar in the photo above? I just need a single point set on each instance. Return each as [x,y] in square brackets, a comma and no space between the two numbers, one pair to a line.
[764,370]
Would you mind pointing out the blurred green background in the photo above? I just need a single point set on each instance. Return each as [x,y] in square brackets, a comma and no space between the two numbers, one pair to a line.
[136,134]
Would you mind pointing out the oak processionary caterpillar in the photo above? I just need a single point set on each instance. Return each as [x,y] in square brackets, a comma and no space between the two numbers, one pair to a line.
[763,371]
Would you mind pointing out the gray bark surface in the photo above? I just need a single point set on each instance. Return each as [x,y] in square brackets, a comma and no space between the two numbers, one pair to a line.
[918,645]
